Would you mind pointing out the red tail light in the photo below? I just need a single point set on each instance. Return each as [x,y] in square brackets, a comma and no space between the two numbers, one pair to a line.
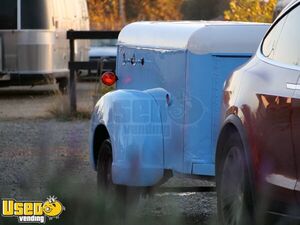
[109,78]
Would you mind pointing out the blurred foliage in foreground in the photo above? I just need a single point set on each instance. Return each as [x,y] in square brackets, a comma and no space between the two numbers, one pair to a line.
[251,10]
[84,205]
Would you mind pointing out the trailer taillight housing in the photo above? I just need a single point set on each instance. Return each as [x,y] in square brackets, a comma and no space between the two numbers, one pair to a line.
[109,78]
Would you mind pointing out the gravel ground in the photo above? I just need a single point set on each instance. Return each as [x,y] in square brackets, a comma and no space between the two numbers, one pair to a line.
[37,151]
[36,102]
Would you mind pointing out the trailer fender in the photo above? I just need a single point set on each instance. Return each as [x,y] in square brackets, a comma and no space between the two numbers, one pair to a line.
[133,120]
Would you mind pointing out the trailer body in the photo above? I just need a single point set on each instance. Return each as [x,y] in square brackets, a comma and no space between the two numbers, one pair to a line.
[165,113]
[34,48]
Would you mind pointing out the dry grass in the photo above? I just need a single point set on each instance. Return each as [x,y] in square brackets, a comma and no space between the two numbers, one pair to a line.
[60,109]
[106,89]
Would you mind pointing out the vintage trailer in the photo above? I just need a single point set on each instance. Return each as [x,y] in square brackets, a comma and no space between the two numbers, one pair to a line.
[33,44]
[165,113]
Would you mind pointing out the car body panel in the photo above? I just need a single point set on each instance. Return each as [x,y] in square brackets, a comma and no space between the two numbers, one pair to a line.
[265,112]
[264,95]
[296,134]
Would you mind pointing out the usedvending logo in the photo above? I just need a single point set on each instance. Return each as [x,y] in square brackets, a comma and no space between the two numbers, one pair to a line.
[32,211]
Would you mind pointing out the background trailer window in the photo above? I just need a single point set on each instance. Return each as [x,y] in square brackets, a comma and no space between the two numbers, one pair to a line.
[34,14]
[8,15]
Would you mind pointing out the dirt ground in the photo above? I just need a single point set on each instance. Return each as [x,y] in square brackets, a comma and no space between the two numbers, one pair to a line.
[39,153]
[36,102]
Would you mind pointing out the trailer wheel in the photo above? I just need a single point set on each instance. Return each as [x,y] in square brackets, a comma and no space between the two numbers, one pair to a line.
[127,195]
[63,85]
[235,204]
[104,172]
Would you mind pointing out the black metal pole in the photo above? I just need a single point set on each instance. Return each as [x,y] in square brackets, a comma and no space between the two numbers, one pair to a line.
[72,79]
[75,66]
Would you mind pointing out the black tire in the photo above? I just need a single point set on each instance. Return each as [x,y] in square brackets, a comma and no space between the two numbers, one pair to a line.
[126,195]
[104,172]
[104,179]
[235,203]
[63,85]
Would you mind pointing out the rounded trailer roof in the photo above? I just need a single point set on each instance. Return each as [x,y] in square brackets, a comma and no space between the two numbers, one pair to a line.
[197,37]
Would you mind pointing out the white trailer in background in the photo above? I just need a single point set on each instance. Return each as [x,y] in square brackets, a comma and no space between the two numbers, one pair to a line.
[34,48]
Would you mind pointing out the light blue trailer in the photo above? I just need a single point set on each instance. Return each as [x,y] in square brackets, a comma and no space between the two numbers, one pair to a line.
[165,113]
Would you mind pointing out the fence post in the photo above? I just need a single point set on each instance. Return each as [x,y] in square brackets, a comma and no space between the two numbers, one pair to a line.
[72,36]
[72,79]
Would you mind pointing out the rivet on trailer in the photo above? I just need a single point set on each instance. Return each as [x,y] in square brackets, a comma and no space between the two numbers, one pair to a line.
[164,117]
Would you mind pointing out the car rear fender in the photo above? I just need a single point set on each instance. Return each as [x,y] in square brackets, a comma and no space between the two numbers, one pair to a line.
[233,123]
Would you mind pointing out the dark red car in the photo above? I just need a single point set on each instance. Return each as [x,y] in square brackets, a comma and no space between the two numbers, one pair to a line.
[258,152]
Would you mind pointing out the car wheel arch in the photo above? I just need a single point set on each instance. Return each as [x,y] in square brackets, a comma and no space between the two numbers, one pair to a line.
[234,124]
